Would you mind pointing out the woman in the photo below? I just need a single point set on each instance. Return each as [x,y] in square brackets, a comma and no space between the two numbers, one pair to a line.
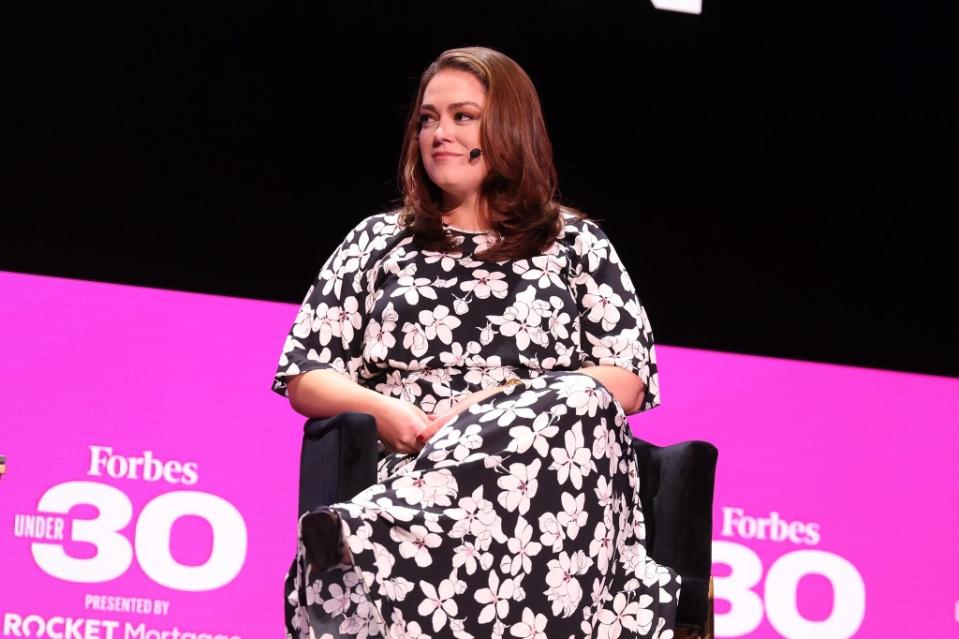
[499,344]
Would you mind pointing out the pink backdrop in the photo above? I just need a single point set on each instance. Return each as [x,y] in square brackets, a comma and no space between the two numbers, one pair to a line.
[835,510]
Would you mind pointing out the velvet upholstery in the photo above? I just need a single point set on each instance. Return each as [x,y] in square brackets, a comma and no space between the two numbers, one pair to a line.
[676,490]
[337,459]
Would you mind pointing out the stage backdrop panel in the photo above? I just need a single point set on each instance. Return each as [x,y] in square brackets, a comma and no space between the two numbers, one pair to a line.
[151,474]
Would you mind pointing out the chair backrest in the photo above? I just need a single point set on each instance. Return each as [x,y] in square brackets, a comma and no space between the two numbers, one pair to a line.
[676,489]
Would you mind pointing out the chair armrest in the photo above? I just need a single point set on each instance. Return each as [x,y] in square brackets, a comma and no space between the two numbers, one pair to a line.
[676,490]
[338,459]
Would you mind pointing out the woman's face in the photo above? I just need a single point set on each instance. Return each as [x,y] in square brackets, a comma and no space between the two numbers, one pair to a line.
[449,128]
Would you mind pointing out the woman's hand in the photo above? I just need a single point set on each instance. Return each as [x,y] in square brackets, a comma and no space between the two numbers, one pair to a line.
[398,423]
[438,420]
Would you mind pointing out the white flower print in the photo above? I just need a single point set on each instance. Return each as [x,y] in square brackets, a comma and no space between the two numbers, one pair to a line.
[603,491]
[396,588]
[378,340]
[465,441]
[487,334]
[303,324]
[288,346]
[573,461]
[537,435]
[601,546]
[605,445]
[412,287]
[600,594]
[660,633]
[475,516]
[496,597]
[602,302]
[326,323]
[484,284]
[574,516]
[313,593]
[507,410]
[633,558]
[415,543]
[364,623]
[544,269]
[632,615]
[658,575]
[333,279]
[338,602]
[438,602]
[433,488]
[383,559]
[584,395]
[522,320]
[484,373]
[415,339]
[439,323]
[522,547]
[466,555]
[552,533]
[357,253]
[447,259]
[300,622]
[518,486]
[460,306]
[455,357]
[406,387]
[558,320]
[615,350]
[532,626]
[565,591]
[347,317]
[457,628]
[590,247]
[402,629]
[519,594]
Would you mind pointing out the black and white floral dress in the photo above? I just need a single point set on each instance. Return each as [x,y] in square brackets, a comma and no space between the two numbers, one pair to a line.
[520,517]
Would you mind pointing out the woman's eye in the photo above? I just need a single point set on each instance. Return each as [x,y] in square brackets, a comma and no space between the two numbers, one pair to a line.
[460,116]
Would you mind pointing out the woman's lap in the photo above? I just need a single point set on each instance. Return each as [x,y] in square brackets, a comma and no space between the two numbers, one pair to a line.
[532,492]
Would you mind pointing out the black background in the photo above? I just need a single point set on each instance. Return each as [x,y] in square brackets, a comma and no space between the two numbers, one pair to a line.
[777,176]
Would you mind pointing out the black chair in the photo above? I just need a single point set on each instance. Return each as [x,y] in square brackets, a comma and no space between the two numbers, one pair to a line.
[676,490]
[339,456]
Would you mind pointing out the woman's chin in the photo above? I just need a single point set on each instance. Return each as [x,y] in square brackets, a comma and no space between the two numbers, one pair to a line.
[454,187]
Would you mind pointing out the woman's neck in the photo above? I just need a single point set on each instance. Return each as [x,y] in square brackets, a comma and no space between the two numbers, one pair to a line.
[467,213]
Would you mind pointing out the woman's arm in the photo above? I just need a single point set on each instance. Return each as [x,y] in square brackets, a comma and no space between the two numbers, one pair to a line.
[626,387]
[325,392]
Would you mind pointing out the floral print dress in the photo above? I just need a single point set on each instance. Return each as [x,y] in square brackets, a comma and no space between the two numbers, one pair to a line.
[521,516]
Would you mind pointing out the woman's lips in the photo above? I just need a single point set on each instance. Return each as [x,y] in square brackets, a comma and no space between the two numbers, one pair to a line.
[440,156]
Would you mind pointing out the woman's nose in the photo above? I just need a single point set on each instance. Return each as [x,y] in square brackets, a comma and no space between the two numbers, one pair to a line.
[440,132]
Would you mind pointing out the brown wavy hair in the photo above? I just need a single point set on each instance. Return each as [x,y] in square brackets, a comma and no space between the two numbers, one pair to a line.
[520,190]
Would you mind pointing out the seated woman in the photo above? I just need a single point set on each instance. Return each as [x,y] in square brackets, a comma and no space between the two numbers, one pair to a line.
[499,343]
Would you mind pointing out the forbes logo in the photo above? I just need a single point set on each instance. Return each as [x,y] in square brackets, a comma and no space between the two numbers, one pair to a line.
[737,523]
[147,467]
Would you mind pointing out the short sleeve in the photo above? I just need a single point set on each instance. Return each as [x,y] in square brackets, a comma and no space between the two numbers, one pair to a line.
[327,331]
[614,329]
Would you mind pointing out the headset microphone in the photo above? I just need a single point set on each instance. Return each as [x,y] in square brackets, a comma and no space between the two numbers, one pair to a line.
[474,153]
